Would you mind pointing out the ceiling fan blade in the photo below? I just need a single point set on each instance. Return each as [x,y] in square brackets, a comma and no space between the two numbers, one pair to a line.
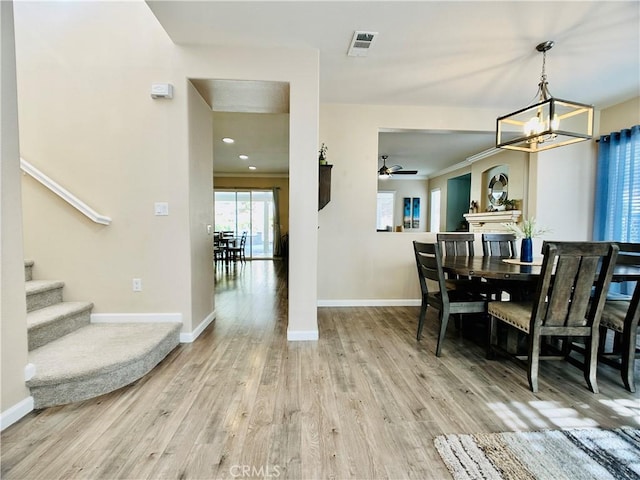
[395,168]
[405,172]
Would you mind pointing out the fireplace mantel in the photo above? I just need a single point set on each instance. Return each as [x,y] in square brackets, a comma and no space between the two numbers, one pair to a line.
[485,222]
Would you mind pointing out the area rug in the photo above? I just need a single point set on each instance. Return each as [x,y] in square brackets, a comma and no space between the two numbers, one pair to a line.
[554,454]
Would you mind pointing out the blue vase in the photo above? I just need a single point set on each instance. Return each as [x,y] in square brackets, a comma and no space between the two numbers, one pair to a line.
[526,250]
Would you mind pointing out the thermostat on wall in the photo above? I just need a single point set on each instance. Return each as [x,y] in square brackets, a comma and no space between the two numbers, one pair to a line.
[161,90]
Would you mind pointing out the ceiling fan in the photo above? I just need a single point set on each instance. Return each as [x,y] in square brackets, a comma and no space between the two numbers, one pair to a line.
[386,172]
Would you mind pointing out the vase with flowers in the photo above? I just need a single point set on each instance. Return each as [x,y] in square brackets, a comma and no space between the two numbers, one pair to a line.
[322,155]
[527,232]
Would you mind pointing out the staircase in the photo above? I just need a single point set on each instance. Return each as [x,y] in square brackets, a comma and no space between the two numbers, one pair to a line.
[76,360]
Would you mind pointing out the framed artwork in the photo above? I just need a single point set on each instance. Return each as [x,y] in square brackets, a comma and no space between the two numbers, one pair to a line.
[415,213]
[406,220]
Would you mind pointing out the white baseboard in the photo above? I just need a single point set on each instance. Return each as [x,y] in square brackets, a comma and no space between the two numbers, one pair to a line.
[404,302]
[136,317]
[302,335]
[15,413]
[189,337]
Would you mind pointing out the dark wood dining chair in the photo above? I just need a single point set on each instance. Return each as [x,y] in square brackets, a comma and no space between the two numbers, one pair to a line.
[445,300]
[218,249]
[456,244]
[621,317]
[460,244]
[499,245]
[563,305]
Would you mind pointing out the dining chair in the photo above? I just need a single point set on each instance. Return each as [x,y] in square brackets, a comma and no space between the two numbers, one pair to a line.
[621,317]
[460,244]
[499,245]
[236,252]
[563,305]
[446,301]
[218,249]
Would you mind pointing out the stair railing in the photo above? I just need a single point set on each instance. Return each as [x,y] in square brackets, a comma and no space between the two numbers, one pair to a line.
[63,193]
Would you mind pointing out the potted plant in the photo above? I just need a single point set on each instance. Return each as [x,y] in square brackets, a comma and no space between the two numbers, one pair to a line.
[527,232]
[511,204]
[322,154]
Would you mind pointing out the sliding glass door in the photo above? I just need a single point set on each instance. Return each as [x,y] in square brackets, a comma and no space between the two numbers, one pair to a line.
[250,211]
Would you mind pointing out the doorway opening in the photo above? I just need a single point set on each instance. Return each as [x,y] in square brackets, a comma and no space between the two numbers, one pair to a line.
[458,197]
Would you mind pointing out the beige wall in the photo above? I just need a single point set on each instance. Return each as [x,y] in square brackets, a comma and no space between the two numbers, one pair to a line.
[13,344]
[261,183]
[200,207]
[357,265]
[95,129]
[620,116]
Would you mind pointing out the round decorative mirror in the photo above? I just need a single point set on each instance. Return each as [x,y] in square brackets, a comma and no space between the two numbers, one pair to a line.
[498,189]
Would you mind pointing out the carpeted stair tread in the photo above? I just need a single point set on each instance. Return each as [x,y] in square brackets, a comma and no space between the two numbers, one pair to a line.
[56,312]
[50,323]
[42,293]
[38,286]
[97,349]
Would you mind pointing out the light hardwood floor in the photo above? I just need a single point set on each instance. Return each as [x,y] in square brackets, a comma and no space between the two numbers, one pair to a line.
[365,401]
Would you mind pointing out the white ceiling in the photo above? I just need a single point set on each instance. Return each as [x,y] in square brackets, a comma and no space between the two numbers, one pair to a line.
[446,53]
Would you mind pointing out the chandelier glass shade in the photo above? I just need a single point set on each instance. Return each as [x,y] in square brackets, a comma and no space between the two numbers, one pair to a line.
[549,123]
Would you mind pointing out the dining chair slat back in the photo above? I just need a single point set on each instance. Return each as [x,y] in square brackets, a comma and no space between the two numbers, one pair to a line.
[499,245]
[564,304]
[458,244]
[429,265]
[622,317]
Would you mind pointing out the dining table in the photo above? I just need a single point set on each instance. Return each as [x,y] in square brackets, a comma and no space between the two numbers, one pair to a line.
[522,276]
[503,268]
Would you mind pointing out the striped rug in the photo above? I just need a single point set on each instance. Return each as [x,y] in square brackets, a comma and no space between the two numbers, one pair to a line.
[569,454]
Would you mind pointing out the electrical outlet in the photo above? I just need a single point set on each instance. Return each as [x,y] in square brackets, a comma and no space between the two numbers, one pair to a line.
[137,284]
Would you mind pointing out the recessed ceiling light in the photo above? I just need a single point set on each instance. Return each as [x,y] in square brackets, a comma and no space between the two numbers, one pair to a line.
[228,140]
[252,167]
[243,157]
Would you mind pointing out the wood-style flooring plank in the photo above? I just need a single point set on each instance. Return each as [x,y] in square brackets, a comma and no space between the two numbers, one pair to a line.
[363,402]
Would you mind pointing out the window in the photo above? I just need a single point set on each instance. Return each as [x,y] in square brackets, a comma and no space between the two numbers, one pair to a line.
[384,212]
[617,209]
[617,206]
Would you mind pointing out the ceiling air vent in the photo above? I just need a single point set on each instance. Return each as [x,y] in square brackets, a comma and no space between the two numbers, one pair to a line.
[360,43]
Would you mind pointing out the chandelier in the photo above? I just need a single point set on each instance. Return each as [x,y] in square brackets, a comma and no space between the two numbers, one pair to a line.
[549,123]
